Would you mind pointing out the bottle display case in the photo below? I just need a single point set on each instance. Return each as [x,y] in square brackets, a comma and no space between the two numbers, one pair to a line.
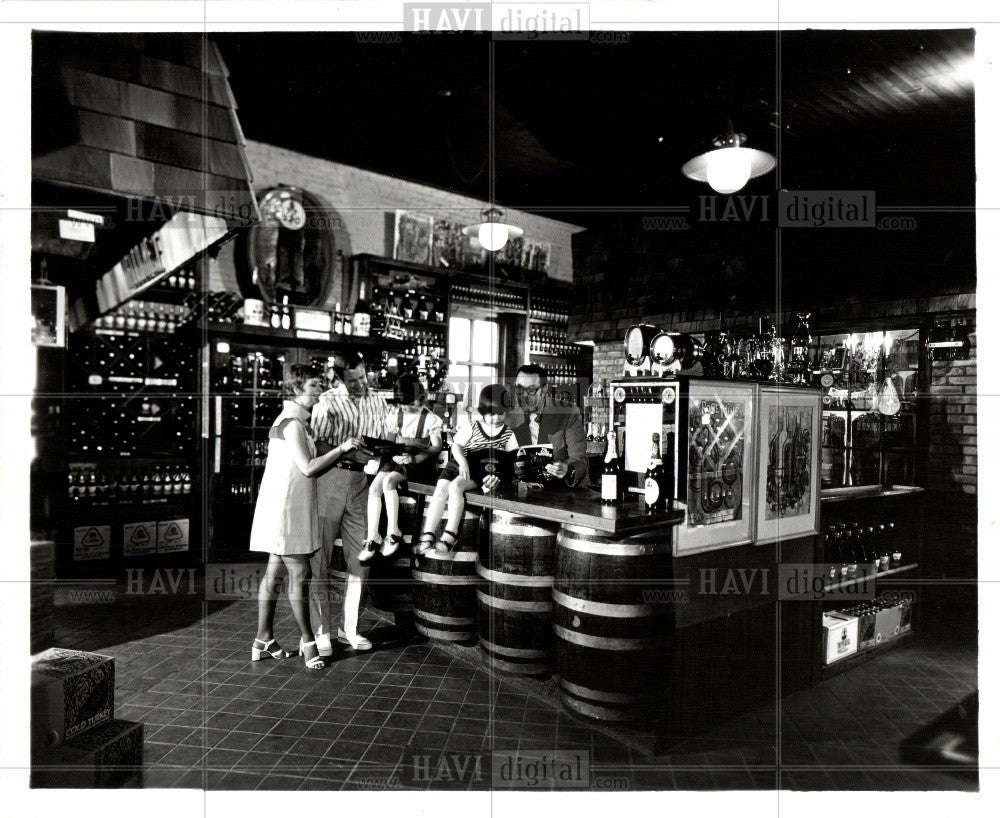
[869,383]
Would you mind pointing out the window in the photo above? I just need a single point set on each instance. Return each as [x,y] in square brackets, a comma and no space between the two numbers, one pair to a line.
[473,356]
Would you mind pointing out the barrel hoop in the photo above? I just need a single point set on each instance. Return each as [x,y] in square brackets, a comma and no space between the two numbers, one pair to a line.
[501,578]
[445,620]
[603,713]
[602,695]
[606,642]
[523,668]
[451,556]
[526,530]
[444,579]
[526,653]
[610,609]
[611,549]
[512,604]
[446,636]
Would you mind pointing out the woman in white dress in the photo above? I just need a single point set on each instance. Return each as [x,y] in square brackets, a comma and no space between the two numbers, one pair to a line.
[285,520]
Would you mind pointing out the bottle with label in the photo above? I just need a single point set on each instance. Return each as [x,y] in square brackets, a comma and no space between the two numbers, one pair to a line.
[275,316]
[286,314]
[362,320]
[611,473]
[655,488]
[338,321]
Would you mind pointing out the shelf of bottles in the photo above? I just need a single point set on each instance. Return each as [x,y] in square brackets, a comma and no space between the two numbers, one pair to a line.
[412,312]
[92,485]
[247,385]
[497,298]
[857,551]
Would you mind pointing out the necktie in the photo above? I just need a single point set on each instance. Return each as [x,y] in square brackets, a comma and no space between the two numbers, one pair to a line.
[533,428]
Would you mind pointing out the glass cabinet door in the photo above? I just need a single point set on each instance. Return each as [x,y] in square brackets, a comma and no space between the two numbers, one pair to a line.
[869,381]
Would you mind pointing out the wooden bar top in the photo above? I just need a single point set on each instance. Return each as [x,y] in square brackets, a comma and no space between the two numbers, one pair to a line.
[582,507]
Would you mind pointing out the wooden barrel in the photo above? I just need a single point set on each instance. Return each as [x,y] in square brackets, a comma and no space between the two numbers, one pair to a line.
[612,623]
[444,594]
[515,566]
[390,581]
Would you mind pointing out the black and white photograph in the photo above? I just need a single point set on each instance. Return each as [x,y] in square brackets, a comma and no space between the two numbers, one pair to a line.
[551,401]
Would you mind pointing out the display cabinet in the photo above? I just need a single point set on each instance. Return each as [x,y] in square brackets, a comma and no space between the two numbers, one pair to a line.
[870,382]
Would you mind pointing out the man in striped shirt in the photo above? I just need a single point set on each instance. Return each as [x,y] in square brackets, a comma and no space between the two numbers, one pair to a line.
[342,416]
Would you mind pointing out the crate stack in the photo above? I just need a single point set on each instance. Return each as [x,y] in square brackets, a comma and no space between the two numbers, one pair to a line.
[76,742]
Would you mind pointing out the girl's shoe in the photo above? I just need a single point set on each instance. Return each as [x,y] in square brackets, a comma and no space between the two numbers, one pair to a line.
[265,649]
[392,542]
[314,662]
[367,552]
[427,540]
[447,541]
[324,644]
[356,641]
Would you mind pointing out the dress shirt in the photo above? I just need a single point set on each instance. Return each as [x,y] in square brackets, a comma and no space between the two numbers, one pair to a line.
[533,428]
[336,417]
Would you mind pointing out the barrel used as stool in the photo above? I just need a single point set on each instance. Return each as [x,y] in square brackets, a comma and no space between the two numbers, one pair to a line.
[390,582]
[515,567]
[612,624]
[444,595]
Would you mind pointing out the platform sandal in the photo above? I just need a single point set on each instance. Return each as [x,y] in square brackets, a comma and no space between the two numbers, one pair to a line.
[445,545]
[314,662]
[391,544]
[427,540]
[269,649]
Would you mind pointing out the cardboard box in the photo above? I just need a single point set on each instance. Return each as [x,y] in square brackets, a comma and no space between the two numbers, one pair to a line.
[71,691]
[172,535]
[905,616]
[102,757]
[43,562]
[840,636]
[887,624]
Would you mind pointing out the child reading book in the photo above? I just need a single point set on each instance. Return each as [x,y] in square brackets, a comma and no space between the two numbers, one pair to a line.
[488,431]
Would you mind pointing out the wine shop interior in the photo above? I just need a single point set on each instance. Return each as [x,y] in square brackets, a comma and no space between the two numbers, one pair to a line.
[697,336]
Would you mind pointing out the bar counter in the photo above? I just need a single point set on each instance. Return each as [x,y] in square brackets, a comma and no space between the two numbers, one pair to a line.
[578,507]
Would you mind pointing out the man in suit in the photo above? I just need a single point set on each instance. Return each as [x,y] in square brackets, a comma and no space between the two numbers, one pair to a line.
[536,422]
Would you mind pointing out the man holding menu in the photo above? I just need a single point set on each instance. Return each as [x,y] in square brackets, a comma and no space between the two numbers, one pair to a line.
[538,423]
[344,415]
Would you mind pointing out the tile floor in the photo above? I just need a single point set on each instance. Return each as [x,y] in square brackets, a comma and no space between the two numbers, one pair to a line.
[415,715]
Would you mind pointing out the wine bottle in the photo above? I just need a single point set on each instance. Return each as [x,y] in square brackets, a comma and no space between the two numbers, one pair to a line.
[655,482]
[362,320]
[612,469]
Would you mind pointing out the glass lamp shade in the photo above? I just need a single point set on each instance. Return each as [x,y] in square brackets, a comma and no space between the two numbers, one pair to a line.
[493,236]
[729,169]
[492,233]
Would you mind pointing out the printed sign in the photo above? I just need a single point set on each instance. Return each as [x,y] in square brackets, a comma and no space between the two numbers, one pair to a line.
[172,535]
[139,538]
[92,542]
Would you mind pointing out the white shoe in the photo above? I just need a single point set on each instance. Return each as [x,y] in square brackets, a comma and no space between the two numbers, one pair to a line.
[356,641]
[324,644]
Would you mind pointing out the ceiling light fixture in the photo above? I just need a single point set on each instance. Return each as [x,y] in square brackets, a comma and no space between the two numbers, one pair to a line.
[730,166]
[493,233]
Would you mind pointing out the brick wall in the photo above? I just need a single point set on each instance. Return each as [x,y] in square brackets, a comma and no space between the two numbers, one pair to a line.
[362,205]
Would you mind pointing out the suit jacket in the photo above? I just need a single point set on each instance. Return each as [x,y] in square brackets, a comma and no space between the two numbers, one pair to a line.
[552,420]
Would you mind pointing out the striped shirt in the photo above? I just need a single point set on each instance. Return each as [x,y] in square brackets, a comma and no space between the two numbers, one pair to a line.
[473,438]
[337,417]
